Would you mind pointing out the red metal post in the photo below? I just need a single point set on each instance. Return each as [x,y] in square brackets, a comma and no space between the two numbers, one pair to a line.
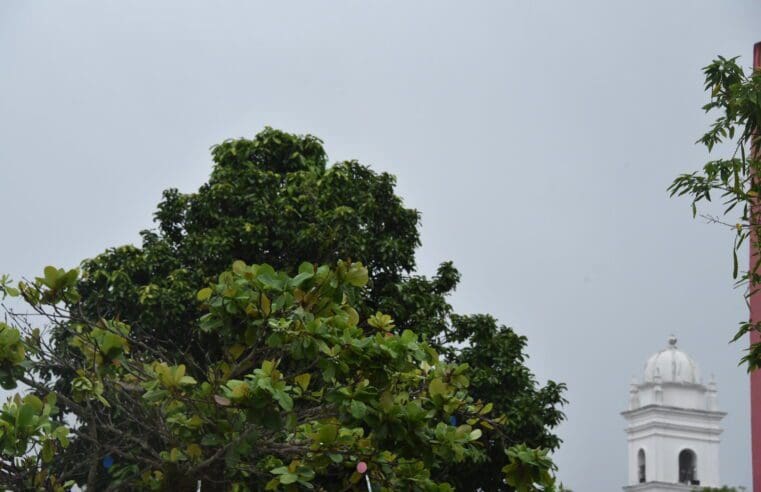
[755,337]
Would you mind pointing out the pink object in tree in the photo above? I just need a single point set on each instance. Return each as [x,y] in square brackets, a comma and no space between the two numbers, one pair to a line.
[361,467]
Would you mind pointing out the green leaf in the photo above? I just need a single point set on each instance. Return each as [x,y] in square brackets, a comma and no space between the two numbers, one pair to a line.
[302,380]
[25,416]
[357,275]
[62,434]
[176,455]
[47,451]
[236,350]
[155,395]
[353,316]
[270,281]
[408,337]
[187,381]
[285,400]
[486,409]
[301,278]
[414,411]
[194,451]
[34,402]
[328,433]
[51,276]
[204,294]
[358,409]
[239,267]
[268,366]
[265,304]
[51,399]
[386,401]
[335,457]
[306,267]
[287,478]
[437,387]
[112,344]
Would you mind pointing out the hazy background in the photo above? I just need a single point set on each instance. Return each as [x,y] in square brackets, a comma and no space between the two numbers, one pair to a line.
[537,139]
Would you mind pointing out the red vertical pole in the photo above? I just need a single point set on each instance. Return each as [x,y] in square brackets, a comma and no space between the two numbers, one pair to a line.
[755,337]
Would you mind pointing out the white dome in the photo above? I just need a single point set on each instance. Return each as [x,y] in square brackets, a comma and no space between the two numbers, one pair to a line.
[672,365]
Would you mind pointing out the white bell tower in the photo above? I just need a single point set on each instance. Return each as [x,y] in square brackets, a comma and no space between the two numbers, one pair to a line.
[673,426]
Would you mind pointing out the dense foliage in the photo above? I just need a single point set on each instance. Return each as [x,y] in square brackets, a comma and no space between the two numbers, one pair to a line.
[169,365]
[736,96]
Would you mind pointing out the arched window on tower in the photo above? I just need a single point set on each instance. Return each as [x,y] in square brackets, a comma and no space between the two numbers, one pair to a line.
[688,464]
[641,470]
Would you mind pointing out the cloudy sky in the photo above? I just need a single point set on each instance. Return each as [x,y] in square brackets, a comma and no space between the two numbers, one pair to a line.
[537,138]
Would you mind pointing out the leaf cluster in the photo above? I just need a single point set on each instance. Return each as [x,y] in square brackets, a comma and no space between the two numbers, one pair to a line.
[305,390]
[736,96]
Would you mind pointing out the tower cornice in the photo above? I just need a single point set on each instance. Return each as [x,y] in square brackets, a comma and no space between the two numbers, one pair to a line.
[672,410]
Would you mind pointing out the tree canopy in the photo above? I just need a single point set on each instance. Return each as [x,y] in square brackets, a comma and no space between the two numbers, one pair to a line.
[271,332]
[736,96]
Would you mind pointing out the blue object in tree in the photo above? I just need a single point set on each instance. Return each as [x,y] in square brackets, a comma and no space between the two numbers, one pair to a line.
[453,420]
[108,461]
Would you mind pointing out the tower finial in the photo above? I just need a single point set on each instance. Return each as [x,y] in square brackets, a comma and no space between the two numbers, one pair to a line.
[672,341]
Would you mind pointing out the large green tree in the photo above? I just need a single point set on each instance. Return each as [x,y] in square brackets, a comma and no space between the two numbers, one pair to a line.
[274,200]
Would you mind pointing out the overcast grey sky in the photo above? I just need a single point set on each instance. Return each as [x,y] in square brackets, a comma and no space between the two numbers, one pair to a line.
[537,138]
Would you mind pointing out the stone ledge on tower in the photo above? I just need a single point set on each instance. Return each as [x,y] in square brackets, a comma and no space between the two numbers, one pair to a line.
[658,487]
